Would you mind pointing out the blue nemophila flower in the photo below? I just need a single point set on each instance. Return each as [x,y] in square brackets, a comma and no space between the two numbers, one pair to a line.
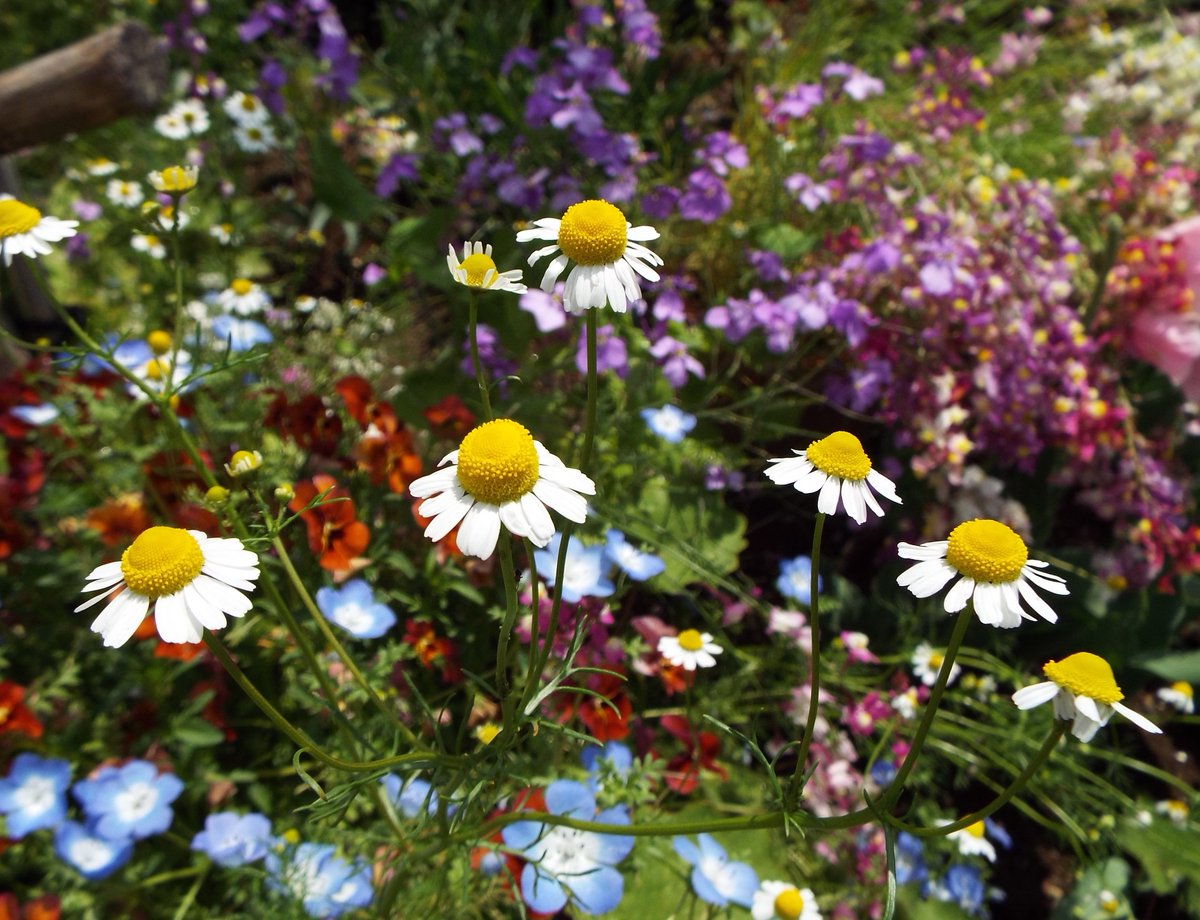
[716,878]
[230,839]
[612,760]
[326,884]
[562,862]
[629,559]
[883,772]
[42,414]
[353,608]
[669,422]
[241,334]
[414,797]
[586,572]
[910,859]
[34,794]
[94,856]
[962,886]
[795,579]
[133,800]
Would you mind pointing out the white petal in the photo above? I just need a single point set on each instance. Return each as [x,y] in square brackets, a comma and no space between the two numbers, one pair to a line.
[827,501]
[568,478]
[926,578]
[1137,719]
[1040,607]
[479,531]
[883,486]
[872,502]
[569,504]
[1046,581]
[641,234]
[1087,706]
[513,517]
[957,597]
[106,571]
[934,550]
[615,291]
[202,610]
[171,618]
[224,598]
[434,506]
[121,618]
[553,270]
[91,602]
[988,605]
[446,520]
[812,481]
[541,527]
[853,501]
[438,481]
[1035,695]
[787,470]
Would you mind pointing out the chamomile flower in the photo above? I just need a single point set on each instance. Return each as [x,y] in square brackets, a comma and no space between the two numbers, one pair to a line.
[191,580]
[184,119]
[1084,690]
[477,270]
[500,475]
[254,138]
[243,297]
[1175,809]
[994,571]
[606,249]
[1180,695]
[246,109]
[150,244]
[926,661]
[973,839]
[784,901]
[125,193]
[174,180]
[689,650]
[836,466]
[25,231]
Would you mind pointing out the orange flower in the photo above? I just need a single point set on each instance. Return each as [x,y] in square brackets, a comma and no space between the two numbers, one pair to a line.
[119,520]
[389,456]
[15,716]
[450,419]
[432,649]
[47,907]
[335,535]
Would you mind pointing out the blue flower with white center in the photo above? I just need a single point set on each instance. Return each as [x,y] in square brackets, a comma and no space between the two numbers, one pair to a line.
[34,794]
[129,354]
[95,857]
[910,859]
[629,559]
[133,800]
[962,886]
[353,608]
[716,878]
[562,863]
[794,579]
[612,760]
[230,839]
[241,334]
[36,415]
[585,574]
[883,772]
[315,875]
[669,422]
[414,797]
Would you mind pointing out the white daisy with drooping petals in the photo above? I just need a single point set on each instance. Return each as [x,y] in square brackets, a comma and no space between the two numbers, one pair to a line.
[500,475]
[25,231]
[478,270]
[607,251]
[192,582]
[838,468]
[994,571]
[1180,695]
[784,901]
[1084,692]
[689,650]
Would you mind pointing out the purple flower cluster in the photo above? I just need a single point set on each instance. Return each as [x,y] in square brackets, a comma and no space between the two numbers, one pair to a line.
[301,19]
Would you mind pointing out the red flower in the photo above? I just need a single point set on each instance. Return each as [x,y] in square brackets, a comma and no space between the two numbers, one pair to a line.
[432,649]
[15,716]
[683,770]
[606,713]
[335,535]
[47,907]
[308,422]
[119,520]
[450,419]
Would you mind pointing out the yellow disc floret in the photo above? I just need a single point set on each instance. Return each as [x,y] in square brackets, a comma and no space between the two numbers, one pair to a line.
[477,266]
[159,341]
[1085,674]
[241,286]
[161,561]
[975,830]
[987,551]
[592,233]
[1183,687]
[840,454]
[789,904]
[175,179]
[691,640]
[497,462]
[16,218]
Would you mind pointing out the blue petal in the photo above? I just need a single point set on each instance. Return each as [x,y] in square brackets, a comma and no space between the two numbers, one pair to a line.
[705,890]
[542,893]
[739,882]
[685,848]
[521,835]
[596,892]
[567,797]
[710,849]
[613,847]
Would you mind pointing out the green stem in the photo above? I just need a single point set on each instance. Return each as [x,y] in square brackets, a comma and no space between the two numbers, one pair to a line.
[532,674]
[510,618]
[593,387]
[473,337]
[814,683]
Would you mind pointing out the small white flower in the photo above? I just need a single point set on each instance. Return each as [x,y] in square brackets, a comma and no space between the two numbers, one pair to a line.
[149,244]
[927,662]
[477,270]
[837,467]
[784,901]
[25,231]
[254,138]
[246,109]
[1180,695]
[972,841]
[243,297]
[689,650]
[126,194]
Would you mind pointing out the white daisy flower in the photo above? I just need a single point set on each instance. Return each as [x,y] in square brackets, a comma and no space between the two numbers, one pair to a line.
[1175,809]
[972,841]
[606,249]
[254,138]
[926,661]
[191,581]
[1180,695]
[838,468]
[174,180]
[784,901]
[24,231]
[689,650]
[1083,689]
[150,244]
[183,120]
[243,297]
[500,475]
[167,215]
[246,109]
[101,166]
[996,573]
[222,233]
[126,194]
[477,270]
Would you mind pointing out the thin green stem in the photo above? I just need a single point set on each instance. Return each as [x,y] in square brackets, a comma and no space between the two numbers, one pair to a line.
[509,576]
[593,388]
[814,683]
[473,337]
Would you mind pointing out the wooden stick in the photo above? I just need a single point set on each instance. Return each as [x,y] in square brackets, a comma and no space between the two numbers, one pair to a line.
[120,71]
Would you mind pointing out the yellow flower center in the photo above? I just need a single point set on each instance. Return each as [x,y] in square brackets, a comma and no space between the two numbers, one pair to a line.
[987,551]
[241,286]
[840,454]
[691,640]
[486,733]
[1182,686]
[1085,674]
[789,904]
[17,218]
[975,830]
[156,369]
[161,561]
[477,266]
[1108,903]
[243,461]
[497,462]
[177,179]
[159,341]
[592,233]
[935,661]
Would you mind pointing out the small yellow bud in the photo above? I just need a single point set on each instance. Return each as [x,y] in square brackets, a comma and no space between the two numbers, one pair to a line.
[159,341]
[217,495]
[284,492]
[243,462]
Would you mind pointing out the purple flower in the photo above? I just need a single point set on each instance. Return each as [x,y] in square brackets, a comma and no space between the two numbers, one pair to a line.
[851,319]
[401,167]
[870,147]
[492,356]
[880,257]
[639,28]
[519,56]
[706,197]
[859,85]
[659,203]
[261,21]
[809,193]
[453,130]
[373,274]
[722,153]
[676,363]
[795,103]
[611,353]
[937,278]
[86,210]
[546,309]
